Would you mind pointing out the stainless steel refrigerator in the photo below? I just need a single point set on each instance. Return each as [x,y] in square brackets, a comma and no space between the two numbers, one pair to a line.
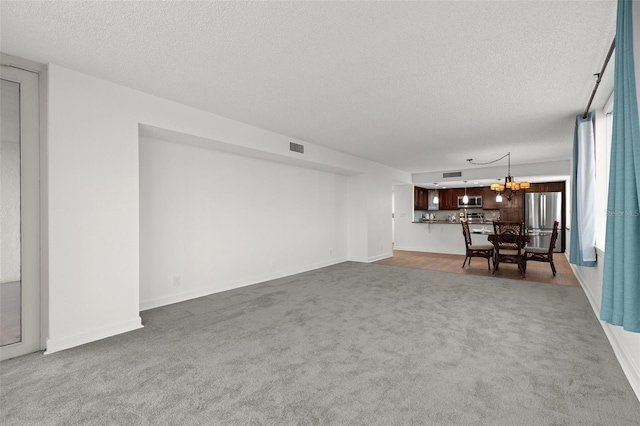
[541,210]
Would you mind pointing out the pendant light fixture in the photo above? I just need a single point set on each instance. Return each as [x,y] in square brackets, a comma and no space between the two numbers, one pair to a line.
[510,184]
[510,187]
[465,199]
[436,200]
[498,196]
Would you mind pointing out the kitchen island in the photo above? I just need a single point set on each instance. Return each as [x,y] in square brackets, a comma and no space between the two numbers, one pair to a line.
[438,236]
[413,231]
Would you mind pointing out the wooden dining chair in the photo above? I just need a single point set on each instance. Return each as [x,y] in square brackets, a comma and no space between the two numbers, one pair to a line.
[543,254]
[508,243]
[475,250]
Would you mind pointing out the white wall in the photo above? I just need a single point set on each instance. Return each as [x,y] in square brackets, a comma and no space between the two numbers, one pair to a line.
[369,212]
[93,209]
[403,206]
[625,344]
[219,221]
[379,208]
[358,218]
[93,212]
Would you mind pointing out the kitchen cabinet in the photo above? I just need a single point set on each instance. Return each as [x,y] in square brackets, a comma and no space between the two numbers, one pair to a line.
[509,211]
[512,211]
[460,192]
[445,199]
[489,199]
[423,199]
[420,198]
[449,199]
[547,187]
[473,193]
[476,191]
[433,206]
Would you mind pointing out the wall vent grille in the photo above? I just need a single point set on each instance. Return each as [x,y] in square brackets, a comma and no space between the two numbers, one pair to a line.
[296,147]
[452,174]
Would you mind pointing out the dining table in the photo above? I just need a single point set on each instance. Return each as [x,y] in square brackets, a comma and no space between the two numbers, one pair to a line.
[526,239]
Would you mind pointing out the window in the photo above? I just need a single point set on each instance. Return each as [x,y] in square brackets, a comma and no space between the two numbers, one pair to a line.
[604,126]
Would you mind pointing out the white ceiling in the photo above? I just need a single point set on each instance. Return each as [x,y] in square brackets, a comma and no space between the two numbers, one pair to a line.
[420,86]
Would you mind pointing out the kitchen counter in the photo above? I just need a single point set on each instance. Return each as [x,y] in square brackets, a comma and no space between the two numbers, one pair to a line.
[438,236]
[438,221]
[483,231]
[446,222]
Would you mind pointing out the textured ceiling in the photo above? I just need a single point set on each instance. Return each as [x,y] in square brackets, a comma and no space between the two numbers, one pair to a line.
[420,86]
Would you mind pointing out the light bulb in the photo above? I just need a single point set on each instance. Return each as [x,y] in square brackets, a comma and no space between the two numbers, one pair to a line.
[435,200]
[465,199]
[498,198]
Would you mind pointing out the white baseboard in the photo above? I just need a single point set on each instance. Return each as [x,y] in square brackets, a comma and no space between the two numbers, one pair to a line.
[405,248]
[422,250]
[73,340]
[372,258]
[380,257]
[230,285]
[625,359]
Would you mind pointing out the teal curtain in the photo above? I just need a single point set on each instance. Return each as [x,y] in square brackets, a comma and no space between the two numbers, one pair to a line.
[582,248]
[621,282]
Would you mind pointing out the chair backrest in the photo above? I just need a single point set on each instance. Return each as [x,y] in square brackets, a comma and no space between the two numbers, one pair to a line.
[508,235]
[466,233]
[554,237]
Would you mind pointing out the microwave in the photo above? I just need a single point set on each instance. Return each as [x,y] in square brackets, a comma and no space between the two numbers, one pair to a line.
[473,202]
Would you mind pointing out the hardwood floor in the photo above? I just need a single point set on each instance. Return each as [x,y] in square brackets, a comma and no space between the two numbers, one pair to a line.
[536,271]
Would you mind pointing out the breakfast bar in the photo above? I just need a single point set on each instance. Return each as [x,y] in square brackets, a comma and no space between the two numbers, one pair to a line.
[442,236]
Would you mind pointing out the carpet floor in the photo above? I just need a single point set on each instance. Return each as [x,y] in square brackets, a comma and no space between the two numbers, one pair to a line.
[350,344]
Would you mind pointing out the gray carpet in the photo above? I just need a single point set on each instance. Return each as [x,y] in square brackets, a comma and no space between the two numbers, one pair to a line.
[351,344]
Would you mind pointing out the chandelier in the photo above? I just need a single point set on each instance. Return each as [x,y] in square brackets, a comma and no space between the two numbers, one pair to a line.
[510,187]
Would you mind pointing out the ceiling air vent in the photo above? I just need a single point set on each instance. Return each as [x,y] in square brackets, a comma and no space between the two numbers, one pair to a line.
[452,174]
[296,147]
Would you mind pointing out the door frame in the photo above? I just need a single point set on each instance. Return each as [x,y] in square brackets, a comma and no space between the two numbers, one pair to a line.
[41,71]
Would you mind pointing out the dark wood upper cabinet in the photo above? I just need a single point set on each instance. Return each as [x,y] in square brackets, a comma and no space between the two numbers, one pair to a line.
[476,191]
[489,199]
[547,187]
[449,199]
[420,198]
[512,211]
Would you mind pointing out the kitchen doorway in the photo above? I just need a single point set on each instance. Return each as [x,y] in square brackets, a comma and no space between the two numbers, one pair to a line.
[20,292]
